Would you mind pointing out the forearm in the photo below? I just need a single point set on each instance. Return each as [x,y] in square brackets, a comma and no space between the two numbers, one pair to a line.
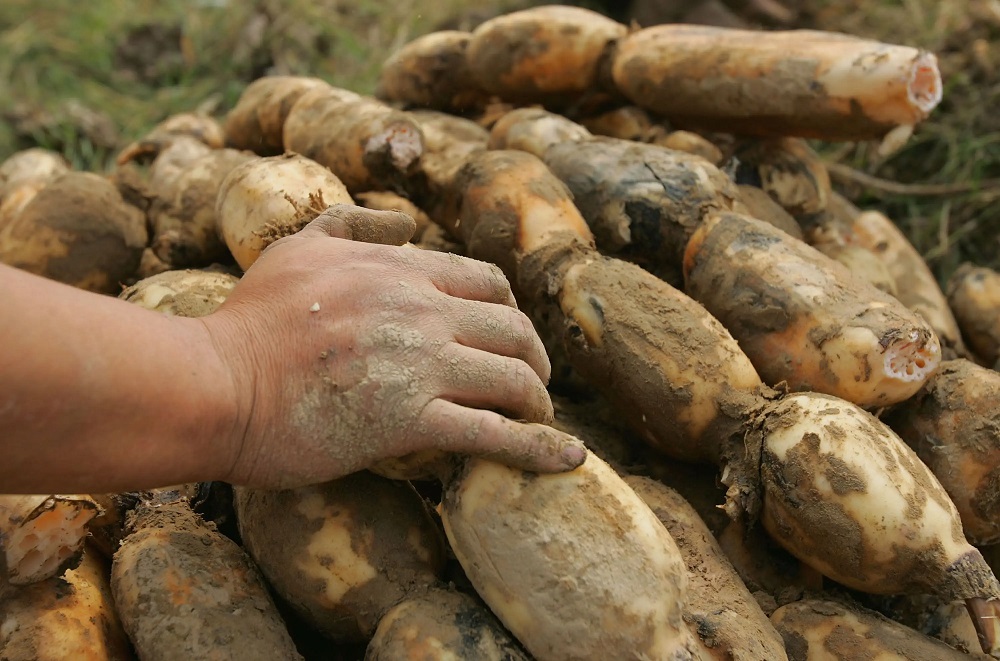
[97,395]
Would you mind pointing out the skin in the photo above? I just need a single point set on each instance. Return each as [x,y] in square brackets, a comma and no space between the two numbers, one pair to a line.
[99,395]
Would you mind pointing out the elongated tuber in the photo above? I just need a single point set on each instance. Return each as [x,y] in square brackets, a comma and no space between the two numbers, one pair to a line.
[788,170]
[201,127]
[187,293]
[974,296]
[432,72]
[257,121]
[42,536]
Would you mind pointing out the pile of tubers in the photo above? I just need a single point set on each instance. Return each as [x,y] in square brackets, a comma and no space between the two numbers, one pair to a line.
[794,431]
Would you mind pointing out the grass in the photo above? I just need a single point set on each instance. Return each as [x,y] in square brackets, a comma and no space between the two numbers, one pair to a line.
[63,84]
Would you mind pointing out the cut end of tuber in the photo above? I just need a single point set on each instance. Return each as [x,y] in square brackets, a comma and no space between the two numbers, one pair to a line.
[41,546]
[912,358]
[924,88]
[986,618]
[403,144]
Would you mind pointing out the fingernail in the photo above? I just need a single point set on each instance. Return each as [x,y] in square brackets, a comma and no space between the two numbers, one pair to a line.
[574,454]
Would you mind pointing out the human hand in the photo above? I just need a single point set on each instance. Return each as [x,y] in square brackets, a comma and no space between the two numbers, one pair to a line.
[346,353]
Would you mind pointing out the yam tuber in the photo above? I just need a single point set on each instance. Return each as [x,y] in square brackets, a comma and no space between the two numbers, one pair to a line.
[77,230]
[442,625]
[42,536]
[574,564]
[369,145]
[257,122]
[265,199]
[756,203]
[974,297]
[199,126]
[544,54]
[953,424]
[777,83]
[432,72]
[185,591]
[72,617]
[188,293]
[342,553]
[820,629]
[788,170]
[846,496]
[719,608]
[804,319]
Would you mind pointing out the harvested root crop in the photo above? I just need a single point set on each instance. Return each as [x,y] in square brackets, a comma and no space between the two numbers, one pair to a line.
[819,629]
[77,230]
[523,538]
[916,286]
[257,122]
[188,293]
[432,72]
[72,617]
[184,590]
[691,143]
[772,574]
[31,164]
[15,196]
[369,145]
[719,608]
[756,203]
[953,424]
[342,553]
[42,536]
[265,199]
[185,228]
[546,54]
[788,170]
[974,296]
[803,318]
[442,625]
[846,496]
[201,127]
[625,123]
[780,83]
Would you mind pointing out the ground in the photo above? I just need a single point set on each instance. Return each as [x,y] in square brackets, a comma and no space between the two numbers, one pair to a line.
[83,77]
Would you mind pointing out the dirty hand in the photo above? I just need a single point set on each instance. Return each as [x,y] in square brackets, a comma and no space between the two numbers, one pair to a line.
[346,353]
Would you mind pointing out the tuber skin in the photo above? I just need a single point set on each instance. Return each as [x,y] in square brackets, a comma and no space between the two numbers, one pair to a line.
[548,54]
[974,296]
[788,170]
[215,368]
[432,71]
[804,319]
[349,550]
[198,126]
[31,164]
[257,121]
[801,83]
[953,424]
[814,628]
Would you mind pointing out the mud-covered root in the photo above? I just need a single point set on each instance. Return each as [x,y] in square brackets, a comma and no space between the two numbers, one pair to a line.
[69,617]
[188,293]
[257,121]
[719,608]
[788,170]
[624,123]
[432,72]
[848,497]
[42,536]
[184,590]
[974,297]
[265,199]
[548,54]
[31,164]
[953,424]
[773,575]
[182,214]
[442,625]
[554,554]
[779,83]
[343,553]
[199,126]
[819,629]
[534,130]
[916,286]
[756,203]
[803,318]
[77,230]
[691,143]
[368,144]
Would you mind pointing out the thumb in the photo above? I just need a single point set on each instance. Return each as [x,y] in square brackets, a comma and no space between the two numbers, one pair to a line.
[347,221]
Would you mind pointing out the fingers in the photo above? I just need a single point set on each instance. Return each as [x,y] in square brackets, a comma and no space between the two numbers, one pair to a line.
[527,446]
[466,278]
[480,379]
[346,221]
[501,330]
